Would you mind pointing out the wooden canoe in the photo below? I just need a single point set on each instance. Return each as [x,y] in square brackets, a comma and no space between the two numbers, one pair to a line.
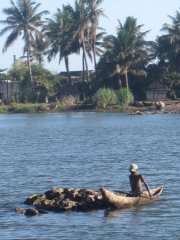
[124,200]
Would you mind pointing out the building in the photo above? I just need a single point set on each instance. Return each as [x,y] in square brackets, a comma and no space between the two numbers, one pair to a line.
[76,76]
[156,91]
[8,88]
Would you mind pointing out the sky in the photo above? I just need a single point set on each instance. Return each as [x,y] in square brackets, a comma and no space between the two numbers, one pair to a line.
[152,14]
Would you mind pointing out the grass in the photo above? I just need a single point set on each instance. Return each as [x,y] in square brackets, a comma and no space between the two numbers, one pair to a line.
[3,109]
[51,107]
[33,108]
[28,108]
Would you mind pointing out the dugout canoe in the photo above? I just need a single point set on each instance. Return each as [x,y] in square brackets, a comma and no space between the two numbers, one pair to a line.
[126,200]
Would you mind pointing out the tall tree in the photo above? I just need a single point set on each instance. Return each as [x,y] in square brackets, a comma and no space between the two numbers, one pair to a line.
[22,18]
[98,45]
[169,43]
[60,32]
[94,13]
[39,48]
[127,51]
[81,21]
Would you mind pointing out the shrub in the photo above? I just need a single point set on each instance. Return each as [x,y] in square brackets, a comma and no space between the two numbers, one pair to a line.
[125,97]
[105,97]
[3,109]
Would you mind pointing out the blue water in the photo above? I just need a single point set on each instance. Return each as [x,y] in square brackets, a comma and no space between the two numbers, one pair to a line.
[89,150]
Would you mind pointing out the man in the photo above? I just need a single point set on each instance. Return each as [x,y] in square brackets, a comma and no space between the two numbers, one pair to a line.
[136,180]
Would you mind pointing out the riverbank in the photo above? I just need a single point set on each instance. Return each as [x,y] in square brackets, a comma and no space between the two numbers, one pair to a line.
[147,107]
[138,108]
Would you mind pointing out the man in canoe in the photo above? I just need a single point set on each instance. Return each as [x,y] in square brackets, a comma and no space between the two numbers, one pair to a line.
[136,181]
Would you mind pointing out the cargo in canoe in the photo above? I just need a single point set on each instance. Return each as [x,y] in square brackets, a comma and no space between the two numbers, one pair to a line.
[125,200]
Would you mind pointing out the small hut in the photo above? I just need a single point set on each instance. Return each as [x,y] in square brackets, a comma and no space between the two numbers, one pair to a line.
[156,91]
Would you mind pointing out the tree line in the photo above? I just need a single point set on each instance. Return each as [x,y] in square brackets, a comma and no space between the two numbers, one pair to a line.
[123,60]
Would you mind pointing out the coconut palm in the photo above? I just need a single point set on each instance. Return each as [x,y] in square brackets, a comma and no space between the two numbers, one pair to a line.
[39,48]
[128,50]
[169,43]
[88,47]
[98,45]
[22,18]
[60,32]
[81,25]
[94,13]
[2,70]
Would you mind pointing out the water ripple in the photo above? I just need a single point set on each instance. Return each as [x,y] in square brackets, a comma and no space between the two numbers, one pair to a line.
[41,151]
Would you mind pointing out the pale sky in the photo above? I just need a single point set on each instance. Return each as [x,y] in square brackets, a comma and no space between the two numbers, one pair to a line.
[151,13]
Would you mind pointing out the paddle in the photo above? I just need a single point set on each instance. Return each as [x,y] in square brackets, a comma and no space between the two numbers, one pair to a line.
[130,194]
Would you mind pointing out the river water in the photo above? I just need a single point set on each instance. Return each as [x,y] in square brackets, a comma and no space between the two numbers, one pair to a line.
[89,150]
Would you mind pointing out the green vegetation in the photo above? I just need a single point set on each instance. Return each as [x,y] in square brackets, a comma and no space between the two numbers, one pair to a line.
[23,108]
[3,109]
[31,108]
[105,97]
[23,20]
[125,97]
[27,108]
[127,52]
[127,63]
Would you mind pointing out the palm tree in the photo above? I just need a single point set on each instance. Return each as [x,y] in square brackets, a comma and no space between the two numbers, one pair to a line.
[39,48]
[60,32]
[81,25]
[94,13]
[22,18]
[98,45]
[128,50]
[169,43]
[2,70]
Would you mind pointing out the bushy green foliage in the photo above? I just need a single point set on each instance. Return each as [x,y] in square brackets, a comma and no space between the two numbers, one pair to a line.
[125,97]
[3,76]
[105,97]
[45,82]
[19,71]
[3,109]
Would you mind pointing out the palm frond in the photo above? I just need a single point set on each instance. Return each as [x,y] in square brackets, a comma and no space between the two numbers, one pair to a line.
[10,39]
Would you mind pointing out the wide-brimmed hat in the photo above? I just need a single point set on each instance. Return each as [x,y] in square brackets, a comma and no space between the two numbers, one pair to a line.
[133,167]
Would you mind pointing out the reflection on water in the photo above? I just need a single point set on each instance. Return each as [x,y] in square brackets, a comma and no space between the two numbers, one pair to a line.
[89,150]
[118,212]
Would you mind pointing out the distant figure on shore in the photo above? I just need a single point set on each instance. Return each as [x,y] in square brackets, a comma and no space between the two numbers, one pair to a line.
[159,105]
[136,181]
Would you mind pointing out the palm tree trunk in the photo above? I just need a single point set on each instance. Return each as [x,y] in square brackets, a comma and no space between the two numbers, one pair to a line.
[83,65]
[66,60]
[95,64]
[118,71]
[126,77]
[29,66]
[85,60]
[29,62]
[94,56]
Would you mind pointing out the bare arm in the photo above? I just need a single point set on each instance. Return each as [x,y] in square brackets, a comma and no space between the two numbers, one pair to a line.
[130,182]
[146,185]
